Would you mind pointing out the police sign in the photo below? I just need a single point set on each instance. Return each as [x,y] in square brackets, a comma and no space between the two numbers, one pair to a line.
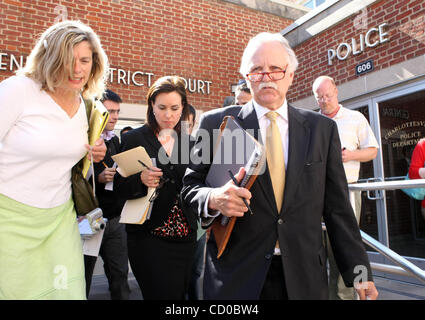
[372,38]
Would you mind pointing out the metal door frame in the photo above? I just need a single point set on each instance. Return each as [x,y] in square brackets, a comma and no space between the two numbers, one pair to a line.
[378,167]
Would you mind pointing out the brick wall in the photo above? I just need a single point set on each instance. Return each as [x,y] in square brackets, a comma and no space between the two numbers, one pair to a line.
[406,28]
[196,39]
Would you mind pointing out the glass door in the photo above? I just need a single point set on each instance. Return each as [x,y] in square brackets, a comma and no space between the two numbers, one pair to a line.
[368,217]
[373,205]
[401,115]
[397,118]
[402,120]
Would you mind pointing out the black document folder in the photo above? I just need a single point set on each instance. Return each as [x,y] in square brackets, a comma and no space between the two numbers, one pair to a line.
[235,148]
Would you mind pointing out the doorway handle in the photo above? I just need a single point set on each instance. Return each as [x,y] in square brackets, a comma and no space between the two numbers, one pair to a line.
[378,193]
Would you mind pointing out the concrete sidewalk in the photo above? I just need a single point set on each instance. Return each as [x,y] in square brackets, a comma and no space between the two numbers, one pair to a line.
[388,289]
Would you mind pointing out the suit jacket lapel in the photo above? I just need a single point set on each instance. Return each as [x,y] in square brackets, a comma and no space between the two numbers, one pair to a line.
[151,139]
[299,141]
[248,120]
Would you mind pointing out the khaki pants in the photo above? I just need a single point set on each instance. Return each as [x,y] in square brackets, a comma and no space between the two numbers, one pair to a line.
[337,288]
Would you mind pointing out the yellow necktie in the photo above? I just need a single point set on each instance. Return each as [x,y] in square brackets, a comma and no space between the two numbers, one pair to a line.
[275,158]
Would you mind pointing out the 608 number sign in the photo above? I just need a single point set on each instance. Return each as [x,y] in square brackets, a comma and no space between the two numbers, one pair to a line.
[364,67]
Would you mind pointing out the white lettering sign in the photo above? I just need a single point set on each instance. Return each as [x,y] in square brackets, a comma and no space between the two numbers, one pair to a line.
[357,46]
[128,77]
[197,86]
[10,62]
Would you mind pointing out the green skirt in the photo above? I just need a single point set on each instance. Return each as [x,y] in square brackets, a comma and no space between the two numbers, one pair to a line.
[40,252]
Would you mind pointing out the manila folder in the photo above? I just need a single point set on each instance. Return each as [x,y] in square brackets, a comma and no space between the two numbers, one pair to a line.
[135,211]
[99,116]
[128,163]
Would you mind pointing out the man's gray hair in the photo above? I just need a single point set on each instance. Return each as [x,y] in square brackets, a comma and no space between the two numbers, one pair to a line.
[319,81]
[261,38]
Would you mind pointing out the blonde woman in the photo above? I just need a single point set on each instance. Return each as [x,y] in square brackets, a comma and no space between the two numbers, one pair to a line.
[43,134]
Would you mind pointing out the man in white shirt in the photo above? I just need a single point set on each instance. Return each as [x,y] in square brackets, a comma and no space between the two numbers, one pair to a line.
[288,218]
[358,144]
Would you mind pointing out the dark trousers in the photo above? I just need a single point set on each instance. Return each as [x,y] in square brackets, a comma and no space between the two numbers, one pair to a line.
[113,251]
[195,285]
[161,267]
[274,287]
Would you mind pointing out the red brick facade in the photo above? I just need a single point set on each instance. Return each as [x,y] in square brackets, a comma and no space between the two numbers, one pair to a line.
[406,33]
[196,39]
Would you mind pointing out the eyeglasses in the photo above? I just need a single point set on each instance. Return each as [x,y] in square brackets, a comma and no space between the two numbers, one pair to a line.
[155,194]
[325,97]
[273,76]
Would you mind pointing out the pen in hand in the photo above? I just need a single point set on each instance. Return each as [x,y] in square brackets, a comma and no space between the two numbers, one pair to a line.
[237,184]
[140,161]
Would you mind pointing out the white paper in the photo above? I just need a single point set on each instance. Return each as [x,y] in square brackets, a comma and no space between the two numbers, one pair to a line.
[91,243]
[89,173]
[91,246]
[84,227]
[110,185]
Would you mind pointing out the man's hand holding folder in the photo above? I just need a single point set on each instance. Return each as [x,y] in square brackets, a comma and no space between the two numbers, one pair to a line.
[228,199]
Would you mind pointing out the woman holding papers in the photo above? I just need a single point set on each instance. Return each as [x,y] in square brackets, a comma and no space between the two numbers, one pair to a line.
[162,248]
[43,134]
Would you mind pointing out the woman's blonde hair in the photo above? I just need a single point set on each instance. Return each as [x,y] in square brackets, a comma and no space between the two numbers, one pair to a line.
[52,59]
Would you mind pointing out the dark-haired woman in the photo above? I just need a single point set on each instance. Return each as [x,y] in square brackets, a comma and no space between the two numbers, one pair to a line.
[161,249]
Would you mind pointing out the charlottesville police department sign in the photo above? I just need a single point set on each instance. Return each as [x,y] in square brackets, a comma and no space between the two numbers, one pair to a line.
[372,38]
[10,62]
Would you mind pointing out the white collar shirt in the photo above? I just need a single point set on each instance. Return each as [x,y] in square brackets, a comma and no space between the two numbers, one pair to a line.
[282,122]
[107,135]
[354,133]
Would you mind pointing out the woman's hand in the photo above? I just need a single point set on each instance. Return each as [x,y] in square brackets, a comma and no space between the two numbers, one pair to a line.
[98,151]
[151,177]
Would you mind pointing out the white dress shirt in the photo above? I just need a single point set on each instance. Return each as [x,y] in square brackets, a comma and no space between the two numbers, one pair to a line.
[282,122]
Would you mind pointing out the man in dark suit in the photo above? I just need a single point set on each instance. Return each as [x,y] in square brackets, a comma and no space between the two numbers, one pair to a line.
[113,249]
[278,253]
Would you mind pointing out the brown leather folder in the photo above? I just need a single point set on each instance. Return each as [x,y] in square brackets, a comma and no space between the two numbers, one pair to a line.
[246,152]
